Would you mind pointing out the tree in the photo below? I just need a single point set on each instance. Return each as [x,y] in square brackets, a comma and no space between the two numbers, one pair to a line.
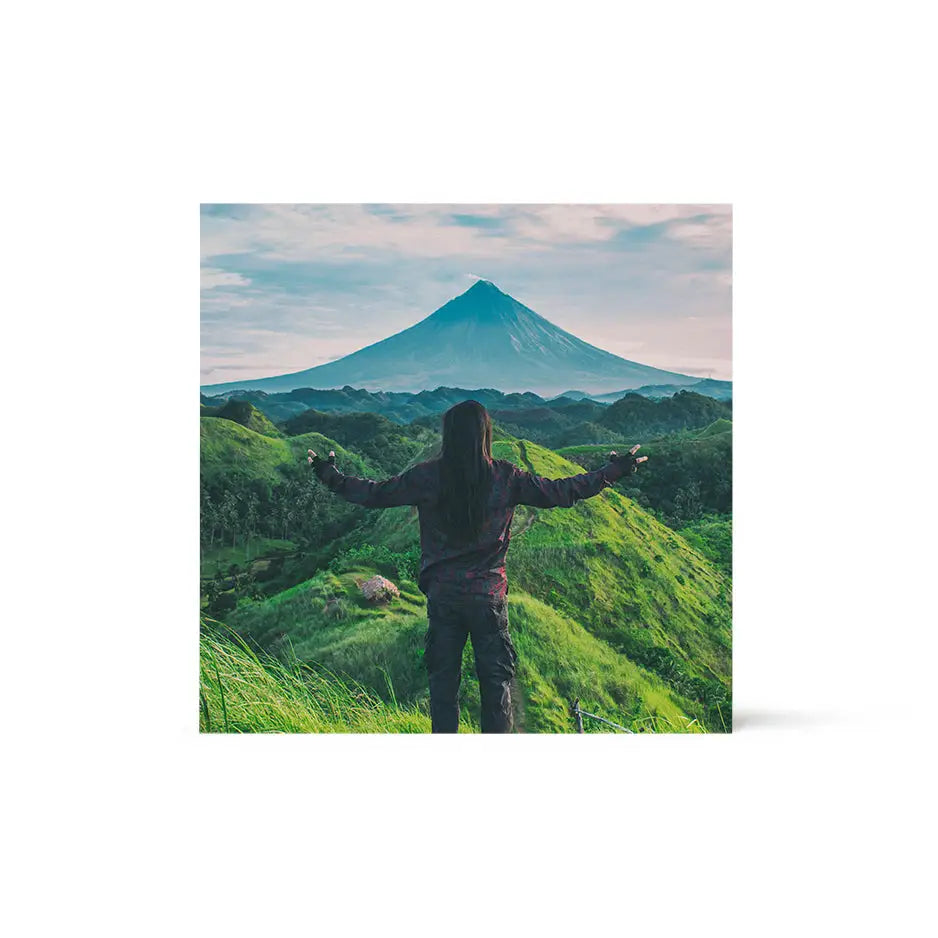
[207,517]
[250,518]
[229,514]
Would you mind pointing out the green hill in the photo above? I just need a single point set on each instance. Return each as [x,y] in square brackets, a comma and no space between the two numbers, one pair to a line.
[599,451]
[229,450]
[544,424]
[327,621]
[723,425]
[387,445]
[264,518]
[630,580]
[587,434]
[712,535]
[637,416]
[246,414]
[631,419]
[607,605]
[400,406]
[688,476]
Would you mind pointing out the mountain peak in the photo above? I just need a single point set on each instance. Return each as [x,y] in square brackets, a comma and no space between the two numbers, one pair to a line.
[482,287]
[481,338]
[482,302]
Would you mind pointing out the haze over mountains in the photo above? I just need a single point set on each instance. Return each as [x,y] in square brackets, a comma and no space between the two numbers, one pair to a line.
[483,338]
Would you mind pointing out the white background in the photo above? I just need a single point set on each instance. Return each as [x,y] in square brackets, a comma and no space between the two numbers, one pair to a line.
[816,817]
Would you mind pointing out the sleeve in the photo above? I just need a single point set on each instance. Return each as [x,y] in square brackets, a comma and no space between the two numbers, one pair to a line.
[530,489]
[403,489]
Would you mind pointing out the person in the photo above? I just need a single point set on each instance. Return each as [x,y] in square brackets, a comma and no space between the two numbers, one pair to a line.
[465,501]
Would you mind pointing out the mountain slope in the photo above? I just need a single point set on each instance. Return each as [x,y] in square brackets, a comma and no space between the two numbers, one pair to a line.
[482,338]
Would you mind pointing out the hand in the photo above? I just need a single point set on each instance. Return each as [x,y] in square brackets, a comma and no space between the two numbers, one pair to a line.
[628,461]
[317,462]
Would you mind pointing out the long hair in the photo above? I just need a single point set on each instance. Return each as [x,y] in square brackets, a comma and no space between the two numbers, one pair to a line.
[465,469]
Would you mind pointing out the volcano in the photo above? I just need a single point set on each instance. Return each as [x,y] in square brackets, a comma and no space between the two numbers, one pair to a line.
[483,338]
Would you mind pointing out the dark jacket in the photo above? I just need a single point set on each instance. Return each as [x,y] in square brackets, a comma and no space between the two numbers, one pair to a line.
[477,567]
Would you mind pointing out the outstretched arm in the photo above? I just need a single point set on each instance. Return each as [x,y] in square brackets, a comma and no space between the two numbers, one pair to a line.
[398,490]
[530,489]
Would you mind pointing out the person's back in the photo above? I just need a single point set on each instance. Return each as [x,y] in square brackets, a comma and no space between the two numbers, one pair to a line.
[466,501]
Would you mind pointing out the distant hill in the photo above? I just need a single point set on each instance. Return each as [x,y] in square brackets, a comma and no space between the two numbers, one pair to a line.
[688,476]
[384,443]
[632,419]
[229,451]
[483,337]
[404,407]
[637,416]
[244,413]
[401,407]
[709,387]
[722,425]
[542,424]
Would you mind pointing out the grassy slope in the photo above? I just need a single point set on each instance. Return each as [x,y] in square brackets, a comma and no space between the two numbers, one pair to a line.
[713,537]
[688,479]
[639,573]
[599,449]
[653,598]
[382,649]
[245,414]
[228,449]
[718,426]
[231,453]
[240,692]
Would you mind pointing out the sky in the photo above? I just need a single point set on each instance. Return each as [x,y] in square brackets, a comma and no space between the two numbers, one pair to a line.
[287,287]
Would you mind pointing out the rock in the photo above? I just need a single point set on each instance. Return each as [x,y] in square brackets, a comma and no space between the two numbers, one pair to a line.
[379,590]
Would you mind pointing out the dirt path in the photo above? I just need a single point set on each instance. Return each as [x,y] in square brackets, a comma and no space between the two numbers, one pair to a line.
[523,449]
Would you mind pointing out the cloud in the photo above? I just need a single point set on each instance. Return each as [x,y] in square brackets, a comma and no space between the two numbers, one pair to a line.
[306,233]
[713,230]
[213,277]
[300,233]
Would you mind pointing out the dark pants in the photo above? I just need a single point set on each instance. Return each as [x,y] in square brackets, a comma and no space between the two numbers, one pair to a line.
[452,619]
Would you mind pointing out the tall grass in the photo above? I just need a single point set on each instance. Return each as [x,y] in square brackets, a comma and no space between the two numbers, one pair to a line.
[241,692]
